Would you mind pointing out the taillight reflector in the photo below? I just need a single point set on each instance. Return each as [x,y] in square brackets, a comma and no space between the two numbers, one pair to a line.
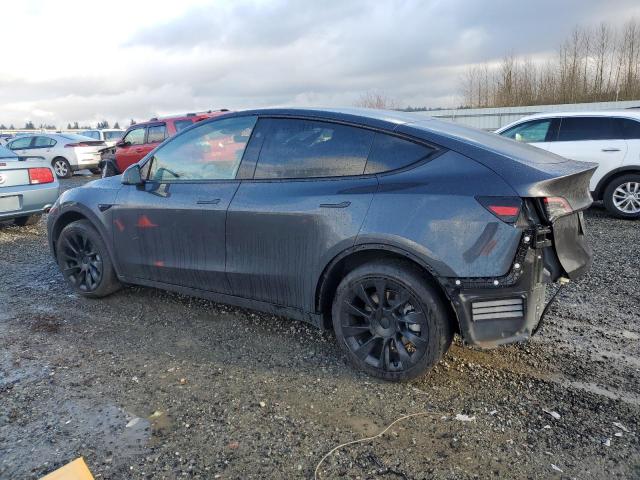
[40,175]
[506,209]
[503,211]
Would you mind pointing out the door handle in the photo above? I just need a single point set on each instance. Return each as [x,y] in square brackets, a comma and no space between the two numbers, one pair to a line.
[213,201]
[612,149]
[335,205]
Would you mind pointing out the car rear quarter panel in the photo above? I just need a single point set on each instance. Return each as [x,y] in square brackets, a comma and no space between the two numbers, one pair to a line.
[431,211]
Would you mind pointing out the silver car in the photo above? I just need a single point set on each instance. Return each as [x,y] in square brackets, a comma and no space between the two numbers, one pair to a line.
[28,187]
[65,152]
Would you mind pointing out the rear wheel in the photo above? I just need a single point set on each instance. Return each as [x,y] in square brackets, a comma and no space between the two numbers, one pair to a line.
[84,260]
[622,196]
[62,167]
[28,220]
[390,320]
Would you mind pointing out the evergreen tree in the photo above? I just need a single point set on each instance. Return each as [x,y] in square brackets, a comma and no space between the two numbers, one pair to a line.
[116,125]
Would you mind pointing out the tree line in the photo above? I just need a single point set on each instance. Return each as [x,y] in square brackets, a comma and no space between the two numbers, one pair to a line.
[591,65]
[29,125]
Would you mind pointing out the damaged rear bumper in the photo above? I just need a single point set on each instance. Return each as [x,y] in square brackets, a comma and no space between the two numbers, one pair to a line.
[496,311]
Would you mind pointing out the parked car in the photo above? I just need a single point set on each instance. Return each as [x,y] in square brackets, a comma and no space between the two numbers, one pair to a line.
[141,138]
[610,139]
[109,136]
[394,229]
[65,152]
[28,187]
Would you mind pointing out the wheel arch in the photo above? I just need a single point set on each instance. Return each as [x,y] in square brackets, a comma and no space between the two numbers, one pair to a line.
[79,212]
[612,175]
[358,255]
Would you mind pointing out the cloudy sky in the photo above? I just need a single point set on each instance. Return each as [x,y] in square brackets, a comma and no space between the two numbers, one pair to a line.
[65,61]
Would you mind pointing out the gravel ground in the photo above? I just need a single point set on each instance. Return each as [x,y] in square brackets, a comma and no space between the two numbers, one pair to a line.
[148,384]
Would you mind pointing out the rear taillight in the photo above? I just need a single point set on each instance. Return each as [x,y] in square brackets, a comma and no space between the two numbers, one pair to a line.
[40,175]
[556,207]
[506,209]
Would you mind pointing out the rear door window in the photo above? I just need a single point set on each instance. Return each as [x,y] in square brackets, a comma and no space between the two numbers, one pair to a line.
[156,133]
[43,142]
[211,151]
[574,129]
[534,131]
[390,153]
[297,148]
[135,136]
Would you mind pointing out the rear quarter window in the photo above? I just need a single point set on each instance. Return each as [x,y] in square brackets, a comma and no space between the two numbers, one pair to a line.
[630,128]
[391,153]
[297,148]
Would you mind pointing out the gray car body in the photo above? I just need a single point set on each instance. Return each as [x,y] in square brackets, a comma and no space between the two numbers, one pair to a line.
[14,182]
[275,244]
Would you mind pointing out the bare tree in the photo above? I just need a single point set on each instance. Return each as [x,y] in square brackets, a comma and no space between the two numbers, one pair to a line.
[591,65]
[375,99]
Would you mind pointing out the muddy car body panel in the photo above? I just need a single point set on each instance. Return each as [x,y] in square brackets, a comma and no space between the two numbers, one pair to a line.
[471,214]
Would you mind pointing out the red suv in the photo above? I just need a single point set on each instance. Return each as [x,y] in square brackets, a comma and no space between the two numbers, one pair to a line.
[141,138]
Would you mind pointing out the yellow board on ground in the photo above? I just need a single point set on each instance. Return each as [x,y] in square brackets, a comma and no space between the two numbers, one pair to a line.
[76,470]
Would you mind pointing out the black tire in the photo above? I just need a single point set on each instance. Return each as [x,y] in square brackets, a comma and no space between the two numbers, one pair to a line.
[96,171]
[62,167]
[28,220]
[381,341]
[108,170]
[84,260]
[614,196]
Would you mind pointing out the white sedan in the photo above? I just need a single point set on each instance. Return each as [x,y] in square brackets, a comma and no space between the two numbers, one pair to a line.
[66,152]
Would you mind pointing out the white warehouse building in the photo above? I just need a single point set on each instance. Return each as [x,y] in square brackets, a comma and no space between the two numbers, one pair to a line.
[494,118]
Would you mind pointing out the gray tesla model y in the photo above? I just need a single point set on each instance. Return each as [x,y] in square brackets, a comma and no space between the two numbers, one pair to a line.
[393,229]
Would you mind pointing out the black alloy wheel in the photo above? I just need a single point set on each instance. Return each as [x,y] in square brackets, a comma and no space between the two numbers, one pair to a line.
[383,324]
[84,260]
[390,320]
[82,264]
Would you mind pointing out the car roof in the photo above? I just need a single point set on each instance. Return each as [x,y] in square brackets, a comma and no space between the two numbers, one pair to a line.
[587,113]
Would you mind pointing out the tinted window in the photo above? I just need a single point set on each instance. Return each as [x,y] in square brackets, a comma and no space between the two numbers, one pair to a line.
[43,142]
[587,128]
[390,153]
[135,137]
[630,128]
[305,148]
[181,124]
[23,142]
[156,133]
[91,134]
[533,131]
[112,135]
[211,151]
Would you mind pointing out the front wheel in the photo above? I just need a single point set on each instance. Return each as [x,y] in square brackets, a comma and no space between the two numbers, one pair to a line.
[84,260]
[622,196]
[390,321]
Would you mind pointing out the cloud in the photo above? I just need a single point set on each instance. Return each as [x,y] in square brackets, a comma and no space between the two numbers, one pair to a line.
[141,59]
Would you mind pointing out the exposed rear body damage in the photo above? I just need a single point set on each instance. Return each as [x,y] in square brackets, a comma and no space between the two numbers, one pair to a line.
[393,229]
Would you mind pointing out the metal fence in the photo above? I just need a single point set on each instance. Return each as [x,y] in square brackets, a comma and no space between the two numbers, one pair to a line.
[494,118]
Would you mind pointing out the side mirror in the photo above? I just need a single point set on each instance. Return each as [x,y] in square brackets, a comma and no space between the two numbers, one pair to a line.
[132,176]
[122,143]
